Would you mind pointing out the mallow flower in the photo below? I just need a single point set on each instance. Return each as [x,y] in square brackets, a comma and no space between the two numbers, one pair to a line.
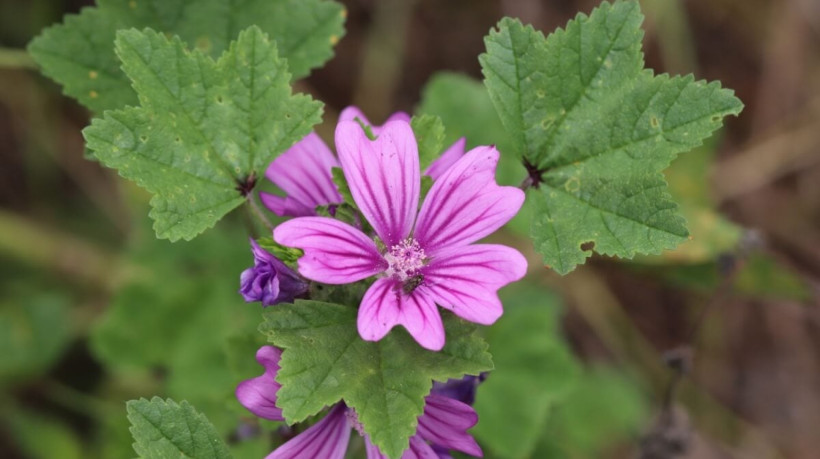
[421,257]
[270,280]
[442,427]
[303,172]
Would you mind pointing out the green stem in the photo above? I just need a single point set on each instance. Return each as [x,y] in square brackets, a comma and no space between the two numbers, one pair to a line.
[16,59]
[257,212]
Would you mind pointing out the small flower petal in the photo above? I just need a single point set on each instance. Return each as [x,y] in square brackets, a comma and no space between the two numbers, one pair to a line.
[385,305]
[258,394]
[383,176]
[419,449]
[445,422]
[466,204]
[285,206]
[351,113]
[447,159]
[335,252]
[372,450]
[304,173]
[466,279]
[462,389]
[327,439]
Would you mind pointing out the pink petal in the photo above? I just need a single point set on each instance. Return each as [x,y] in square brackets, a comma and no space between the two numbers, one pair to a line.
[419,449]
[327,438]
[466,204]
[372,450]
[351,113]
[285,206]
[383,176]
[446,160]
[445,422]
[385,305]
[466,279]
[335,252]
[258,395]
[304,173]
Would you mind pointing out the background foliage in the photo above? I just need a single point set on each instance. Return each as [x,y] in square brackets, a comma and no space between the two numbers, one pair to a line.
[116,314]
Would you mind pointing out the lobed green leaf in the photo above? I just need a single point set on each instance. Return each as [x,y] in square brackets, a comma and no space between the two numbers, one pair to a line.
[596,130]
[429,132]
[79,53]
[205,129]
[325,361]
[163,428]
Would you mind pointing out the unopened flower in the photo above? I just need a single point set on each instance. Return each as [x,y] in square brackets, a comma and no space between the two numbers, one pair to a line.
[303,172]
[442,427]
[270,280]
[462,389]
[421,260]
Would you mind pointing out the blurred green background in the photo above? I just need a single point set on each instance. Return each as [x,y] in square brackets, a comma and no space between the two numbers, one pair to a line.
[712,350]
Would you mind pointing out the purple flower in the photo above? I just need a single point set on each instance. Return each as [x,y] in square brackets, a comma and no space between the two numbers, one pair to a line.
[270,281]
[303,172]
[442,427]
[421,260]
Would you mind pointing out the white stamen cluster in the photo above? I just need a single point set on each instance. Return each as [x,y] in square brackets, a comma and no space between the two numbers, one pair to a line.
[404,259]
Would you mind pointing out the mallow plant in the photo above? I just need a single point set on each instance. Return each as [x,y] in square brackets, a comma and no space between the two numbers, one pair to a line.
[375,283]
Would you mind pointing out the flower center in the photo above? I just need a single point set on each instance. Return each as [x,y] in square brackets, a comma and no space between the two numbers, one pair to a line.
[404,260]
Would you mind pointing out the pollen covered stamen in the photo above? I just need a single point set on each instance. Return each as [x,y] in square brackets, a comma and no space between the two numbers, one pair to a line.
[404,260]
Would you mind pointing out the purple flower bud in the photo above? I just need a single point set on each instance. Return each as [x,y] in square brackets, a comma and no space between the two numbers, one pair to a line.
[270,280]
[462,389]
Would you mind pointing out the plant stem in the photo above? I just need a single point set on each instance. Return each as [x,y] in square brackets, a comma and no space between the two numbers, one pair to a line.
[16,59]
[257,211]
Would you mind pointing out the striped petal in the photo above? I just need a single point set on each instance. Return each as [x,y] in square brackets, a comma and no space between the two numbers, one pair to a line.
[304,173]
[351,113]
[445,422]
[335,252]
[447,159]
[258,395]
[383,176]
[327,439]
[466,280]
[466,204]
[386,305]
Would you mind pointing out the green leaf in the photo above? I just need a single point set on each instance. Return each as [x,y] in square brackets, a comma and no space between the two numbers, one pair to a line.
[79,53]
[34,332]
[534,369]
[289,255]
[204,129]
[325,360]
[429,131]
[598,129]
[341,184]
[163,429]
[604,409]
[465,108]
